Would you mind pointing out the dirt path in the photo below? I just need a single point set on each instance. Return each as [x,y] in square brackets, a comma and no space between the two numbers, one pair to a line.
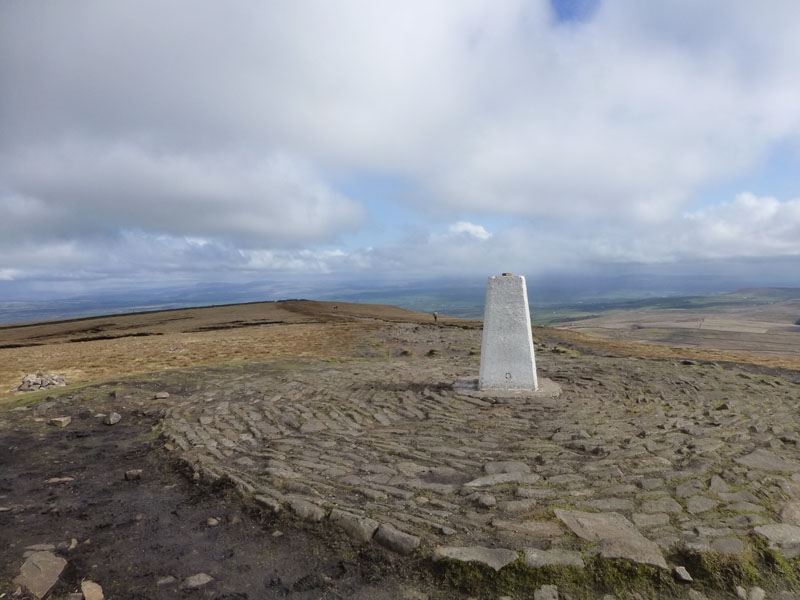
[143,538]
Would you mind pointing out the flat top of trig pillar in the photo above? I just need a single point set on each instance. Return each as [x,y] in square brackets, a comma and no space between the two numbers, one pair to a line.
[508,274]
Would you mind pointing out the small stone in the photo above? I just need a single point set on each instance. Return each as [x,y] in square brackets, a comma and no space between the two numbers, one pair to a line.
[681,574]
[212,521]
[198,580]
[60,421]
[741,593]
[486,501]
[496,558]
[133,474]
[166,580]
[756,593]
[113,418]
[359,528]
[267,502]
[41,547]
[546,592]
[396,540]
[305,510]
[161,395]
[39,573]
[91,590]
[60,479]
[695,595]
[718,485]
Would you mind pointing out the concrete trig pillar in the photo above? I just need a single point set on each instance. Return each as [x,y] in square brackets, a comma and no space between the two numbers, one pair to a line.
[507,360]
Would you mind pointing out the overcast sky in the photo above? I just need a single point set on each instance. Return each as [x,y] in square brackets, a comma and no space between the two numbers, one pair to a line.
[146,142]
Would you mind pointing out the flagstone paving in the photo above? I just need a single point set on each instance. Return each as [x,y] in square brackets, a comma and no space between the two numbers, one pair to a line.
[637,459]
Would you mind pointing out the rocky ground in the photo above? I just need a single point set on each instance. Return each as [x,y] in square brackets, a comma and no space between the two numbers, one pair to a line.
[375,477]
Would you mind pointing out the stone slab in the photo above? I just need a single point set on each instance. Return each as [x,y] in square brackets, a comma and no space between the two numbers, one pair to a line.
[617,536]
[496,558]
[39,573]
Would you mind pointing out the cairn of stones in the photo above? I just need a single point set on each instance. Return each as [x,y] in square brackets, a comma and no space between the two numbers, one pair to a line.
[40,381]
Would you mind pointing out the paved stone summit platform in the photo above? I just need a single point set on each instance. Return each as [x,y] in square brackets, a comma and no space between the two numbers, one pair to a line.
[649,461]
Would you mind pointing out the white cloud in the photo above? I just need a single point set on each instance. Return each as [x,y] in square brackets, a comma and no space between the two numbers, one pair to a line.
[470,229]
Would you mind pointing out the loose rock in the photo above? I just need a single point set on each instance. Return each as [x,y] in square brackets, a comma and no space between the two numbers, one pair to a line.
[133,474]
[396,540]
[39,573]
[681,574]
[198,580]
[113,418]
[91,590]
[360,529]
[60,421]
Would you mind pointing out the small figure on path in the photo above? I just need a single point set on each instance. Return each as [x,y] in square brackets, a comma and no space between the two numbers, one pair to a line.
[435,317]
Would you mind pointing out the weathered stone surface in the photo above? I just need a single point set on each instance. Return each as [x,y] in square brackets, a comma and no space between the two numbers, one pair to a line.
[535,558]
[270,503]
[661,505]
[39,573]
[400,446]
[305,510]
[617,536]
[161,395]
[506,466]
[516,506]
[533,529]
[650,519]
[359,528]
[728,545]
[790,513]
[768,461]
[396,540]
[60,421]
[700,504]
[498,478]
[783,537]
[496,558]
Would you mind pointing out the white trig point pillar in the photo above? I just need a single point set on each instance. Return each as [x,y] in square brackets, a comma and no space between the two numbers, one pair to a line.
[507,360]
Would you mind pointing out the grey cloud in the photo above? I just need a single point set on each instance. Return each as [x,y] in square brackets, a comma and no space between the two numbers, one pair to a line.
[76,189]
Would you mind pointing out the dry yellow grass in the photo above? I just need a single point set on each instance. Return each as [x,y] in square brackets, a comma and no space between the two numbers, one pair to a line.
[628,348]
[102,359]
